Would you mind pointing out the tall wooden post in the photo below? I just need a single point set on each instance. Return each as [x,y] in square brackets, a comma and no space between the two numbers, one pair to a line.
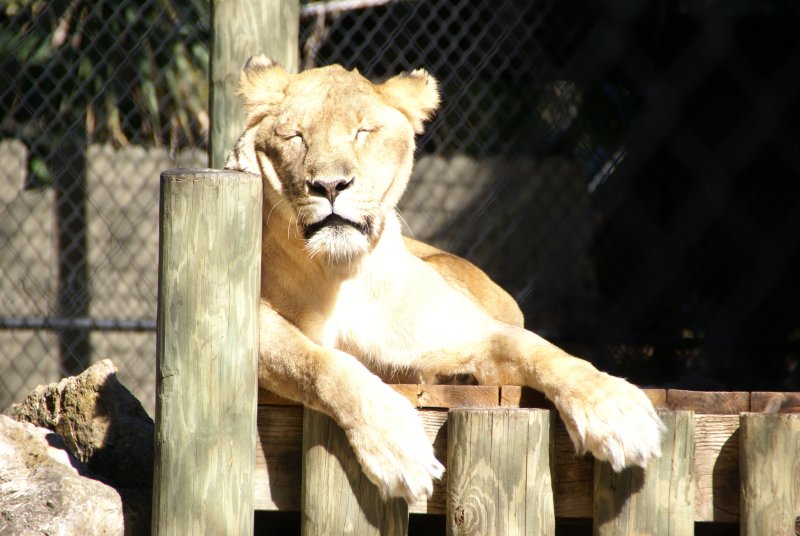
[241,29]
[499,472]
[769,465]
[658,500]
[207,343]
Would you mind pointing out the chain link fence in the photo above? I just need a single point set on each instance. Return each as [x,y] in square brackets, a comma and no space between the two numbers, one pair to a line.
[95,99]
[627,170]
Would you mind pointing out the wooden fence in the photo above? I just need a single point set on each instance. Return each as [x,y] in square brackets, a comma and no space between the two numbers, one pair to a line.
[511,468]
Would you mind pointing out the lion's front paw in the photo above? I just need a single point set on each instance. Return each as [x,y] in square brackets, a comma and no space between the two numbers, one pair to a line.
[613,420]
[393,449]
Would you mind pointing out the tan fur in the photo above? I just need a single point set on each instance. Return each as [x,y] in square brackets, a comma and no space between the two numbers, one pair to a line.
[346,299]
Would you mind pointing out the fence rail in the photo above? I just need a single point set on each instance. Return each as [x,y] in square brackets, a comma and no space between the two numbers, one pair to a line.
[706,431]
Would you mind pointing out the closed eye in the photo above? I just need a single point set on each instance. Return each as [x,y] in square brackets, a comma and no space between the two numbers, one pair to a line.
[289,134]
[362,133]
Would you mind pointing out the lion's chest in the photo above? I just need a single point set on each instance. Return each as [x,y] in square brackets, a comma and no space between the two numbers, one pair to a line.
[368,321]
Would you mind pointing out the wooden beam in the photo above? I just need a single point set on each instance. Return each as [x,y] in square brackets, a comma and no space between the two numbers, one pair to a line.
[770,473]
[767,402]
[239,30]
[207,344]
[337,497]
[709,403]
[499,472]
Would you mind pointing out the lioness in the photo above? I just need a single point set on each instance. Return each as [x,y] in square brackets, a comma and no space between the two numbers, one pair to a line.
[345,297]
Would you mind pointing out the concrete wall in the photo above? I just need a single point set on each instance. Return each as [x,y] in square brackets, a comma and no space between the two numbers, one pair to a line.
[529,223]
[122,218]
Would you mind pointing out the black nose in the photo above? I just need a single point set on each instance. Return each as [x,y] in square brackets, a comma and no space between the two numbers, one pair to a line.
[329,188]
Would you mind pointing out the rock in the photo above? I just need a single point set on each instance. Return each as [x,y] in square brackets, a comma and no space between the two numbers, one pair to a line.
[103,424]
[42,490]
[106,428]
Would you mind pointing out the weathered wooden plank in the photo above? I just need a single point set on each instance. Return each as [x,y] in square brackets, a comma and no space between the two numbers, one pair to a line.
[658,500]
[658,397]
[408,390]
[337,498]
[573,476]
[279,458]
[770,473]
[268,398]
[207,344]
[717,468]
[514,396]
[239,30]
[444,396]
[769,402]
[499,472]
[709,403]
[435,423]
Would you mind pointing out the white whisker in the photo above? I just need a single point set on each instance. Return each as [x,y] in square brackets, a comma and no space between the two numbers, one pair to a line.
[404,222]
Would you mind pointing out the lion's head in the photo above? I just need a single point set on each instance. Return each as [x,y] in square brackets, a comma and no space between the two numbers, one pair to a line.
[334,150]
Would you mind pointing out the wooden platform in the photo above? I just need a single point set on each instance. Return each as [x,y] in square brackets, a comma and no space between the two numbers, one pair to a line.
[278,454]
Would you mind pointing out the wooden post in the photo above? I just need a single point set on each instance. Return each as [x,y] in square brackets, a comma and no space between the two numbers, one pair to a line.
[337,498]
[769,465]
[239,30]
[499,472]
[659,500]
[207,343]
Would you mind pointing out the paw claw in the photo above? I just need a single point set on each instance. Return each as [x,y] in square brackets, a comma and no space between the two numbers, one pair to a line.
[393,449]
[615,421]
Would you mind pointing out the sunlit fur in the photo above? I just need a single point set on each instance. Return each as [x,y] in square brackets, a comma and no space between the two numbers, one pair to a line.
[345,298]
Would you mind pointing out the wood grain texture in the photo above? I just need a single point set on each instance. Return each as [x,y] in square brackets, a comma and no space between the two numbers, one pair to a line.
[337,498]
[770,473]
[716,459]
[279,458]
[717,468]
[499,472]
[239,30]
[444,396]
[658,500]
[709,403]
[770,402]
[207,343]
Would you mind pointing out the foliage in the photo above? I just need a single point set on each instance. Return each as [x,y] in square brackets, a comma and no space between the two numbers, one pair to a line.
[135,71]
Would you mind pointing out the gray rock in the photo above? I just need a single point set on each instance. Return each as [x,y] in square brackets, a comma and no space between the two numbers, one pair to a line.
[103,424]
[106,429]
[42,490]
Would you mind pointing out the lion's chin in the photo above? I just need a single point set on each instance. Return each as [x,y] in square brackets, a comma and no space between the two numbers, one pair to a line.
[338,244]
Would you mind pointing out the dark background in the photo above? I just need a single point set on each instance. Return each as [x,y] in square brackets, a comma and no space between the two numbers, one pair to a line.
[642,202]
[682,116]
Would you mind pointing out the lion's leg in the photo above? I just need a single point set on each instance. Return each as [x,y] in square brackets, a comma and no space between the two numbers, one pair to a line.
[604,414]
[382,426]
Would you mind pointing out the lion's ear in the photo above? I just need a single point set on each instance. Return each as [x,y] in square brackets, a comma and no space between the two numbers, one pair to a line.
[262,85]
[416,94]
